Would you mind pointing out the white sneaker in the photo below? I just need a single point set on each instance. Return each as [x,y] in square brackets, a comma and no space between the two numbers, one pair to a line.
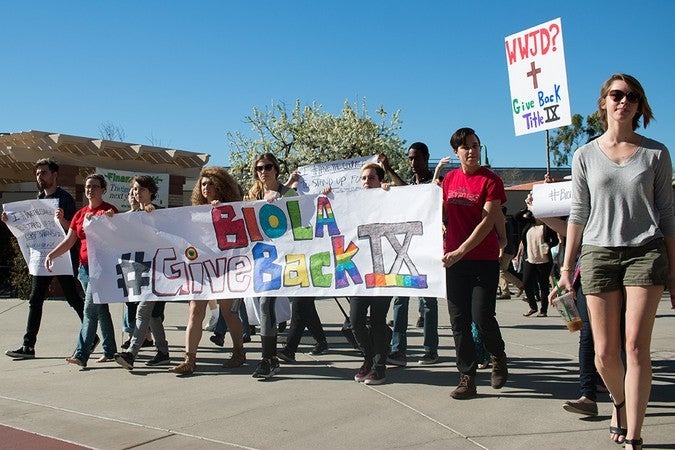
[212,324]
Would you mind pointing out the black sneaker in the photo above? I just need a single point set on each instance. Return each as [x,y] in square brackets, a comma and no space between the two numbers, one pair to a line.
[286,355]
[420,322]
[21,353]
[319,349]
[282,327]
[218,339]
[428,358]
[147,343]
[126,344]
[159,359]
[125,359]
[397,359]
[465,389]
[266,368]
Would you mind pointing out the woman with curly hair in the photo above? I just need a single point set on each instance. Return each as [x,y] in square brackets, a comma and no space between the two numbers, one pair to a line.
[215,185]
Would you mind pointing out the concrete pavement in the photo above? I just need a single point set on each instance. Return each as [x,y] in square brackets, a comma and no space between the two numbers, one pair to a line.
[315,403]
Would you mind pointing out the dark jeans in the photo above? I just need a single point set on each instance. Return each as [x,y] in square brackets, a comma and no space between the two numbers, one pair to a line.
[472,290]
[535,277]
[588,375]
[375,350]
[221,326]
[303,314]
[38,292]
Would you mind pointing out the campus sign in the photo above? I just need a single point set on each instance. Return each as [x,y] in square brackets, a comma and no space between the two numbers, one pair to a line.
[119,183]
[356,243]
[538,78]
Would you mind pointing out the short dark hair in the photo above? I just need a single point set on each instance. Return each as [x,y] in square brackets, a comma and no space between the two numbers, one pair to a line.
[420,147]
[99,177]
[53,167]
[459,137]
[147,182]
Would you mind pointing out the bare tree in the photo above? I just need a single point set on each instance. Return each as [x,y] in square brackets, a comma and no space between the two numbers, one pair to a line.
[111,132]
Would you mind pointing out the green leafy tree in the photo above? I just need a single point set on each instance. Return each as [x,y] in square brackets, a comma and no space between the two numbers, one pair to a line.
[308,135]
[565,140]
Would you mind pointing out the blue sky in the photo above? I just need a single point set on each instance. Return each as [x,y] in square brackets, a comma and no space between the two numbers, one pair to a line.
[183,74]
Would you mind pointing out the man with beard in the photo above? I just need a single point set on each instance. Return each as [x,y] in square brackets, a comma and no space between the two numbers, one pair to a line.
[46,173]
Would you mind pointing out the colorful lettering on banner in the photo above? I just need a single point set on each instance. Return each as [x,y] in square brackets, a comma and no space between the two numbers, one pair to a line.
[289,247]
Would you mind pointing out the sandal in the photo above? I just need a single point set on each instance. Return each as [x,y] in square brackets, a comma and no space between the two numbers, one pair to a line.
[542,315]
[633,442]
[620,432]
[529,313]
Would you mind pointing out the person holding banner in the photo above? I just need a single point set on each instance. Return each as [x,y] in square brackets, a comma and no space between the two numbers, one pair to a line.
[149,314]
[94,313]
[622,211]
[373,345]
[472,198]
[46,174]
[214,185]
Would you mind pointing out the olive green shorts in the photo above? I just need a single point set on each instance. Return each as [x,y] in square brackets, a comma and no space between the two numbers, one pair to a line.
[606,269]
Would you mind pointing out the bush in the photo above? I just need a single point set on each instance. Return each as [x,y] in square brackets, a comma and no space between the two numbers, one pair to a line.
[19,278]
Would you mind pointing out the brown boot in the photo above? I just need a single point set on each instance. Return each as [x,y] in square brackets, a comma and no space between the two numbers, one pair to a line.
[237,359]
[500,373]
[186,367]
[465,389]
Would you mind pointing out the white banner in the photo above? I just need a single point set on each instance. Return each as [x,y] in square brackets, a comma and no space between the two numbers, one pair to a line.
[38,232]
[119,183]
[552,199]
[356,243]
[342,176]
[538,78]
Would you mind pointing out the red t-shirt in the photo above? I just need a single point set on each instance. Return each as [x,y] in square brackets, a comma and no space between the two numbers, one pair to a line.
[464,196]
[78,221]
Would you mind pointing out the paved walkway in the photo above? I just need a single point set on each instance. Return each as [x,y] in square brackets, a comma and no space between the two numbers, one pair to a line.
[314,403]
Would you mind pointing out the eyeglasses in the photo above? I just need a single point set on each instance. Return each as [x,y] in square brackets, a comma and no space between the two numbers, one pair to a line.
[266,168]
[618,95]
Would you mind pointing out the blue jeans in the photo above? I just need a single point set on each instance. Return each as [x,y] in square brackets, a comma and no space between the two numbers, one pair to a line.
[221,326]
[93,315]
[429,309]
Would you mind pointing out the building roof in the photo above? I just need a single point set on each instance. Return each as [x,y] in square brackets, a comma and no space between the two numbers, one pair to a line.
[19,151]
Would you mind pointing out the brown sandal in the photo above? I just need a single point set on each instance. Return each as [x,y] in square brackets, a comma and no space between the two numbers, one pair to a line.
[237,359]
[529,313]
[186,367]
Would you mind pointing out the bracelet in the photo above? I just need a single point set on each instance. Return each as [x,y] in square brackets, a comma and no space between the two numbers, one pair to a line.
[567,269]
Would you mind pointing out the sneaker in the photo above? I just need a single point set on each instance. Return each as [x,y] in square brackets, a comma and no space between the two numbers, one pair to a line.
[218,339]
[212,324]
[21,353]
[465,389]
[125,359]
[376,376]
[362,374]
[147,343]
[319,349]
[397,359]
[159,359]
[267,368]
[582,406]
[428,358]
[286,356]
[504,297]
[420,322]
[500,373]
[126,344]
[282,327]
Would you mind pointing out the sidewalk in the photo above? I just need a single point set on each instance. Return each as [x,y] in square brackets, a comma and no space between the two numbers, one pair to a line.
[315,403]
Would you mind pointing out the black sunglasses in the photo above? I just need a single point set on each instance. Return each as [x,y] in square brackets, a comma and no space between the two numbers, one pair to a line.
[266,168]
[618,95]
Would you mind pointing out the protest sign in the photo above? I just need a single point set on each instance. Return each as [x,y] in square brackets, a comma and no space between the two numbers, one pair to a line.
[119,183]
[342,176]
[538,78]
[36,229]
[356,243]
[552,199]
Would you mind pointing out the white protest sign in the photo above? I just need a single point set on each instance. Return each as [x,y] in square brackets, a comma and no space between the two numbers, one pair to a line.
[355,243]
[36,229]
[119,183]
[538,78]
[342,176]
[552,199]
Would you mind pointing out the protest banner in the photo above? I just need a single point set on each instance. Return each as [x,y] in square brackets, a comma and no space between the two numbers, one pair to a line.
[538,78]
[119,183]
[355,243]
[342,176]
[552,199]
[38,231]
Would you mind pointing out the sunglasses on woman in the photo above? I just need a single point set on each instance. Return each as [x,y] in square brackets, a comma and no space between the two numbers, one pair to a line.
[618,95]
[266,167]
